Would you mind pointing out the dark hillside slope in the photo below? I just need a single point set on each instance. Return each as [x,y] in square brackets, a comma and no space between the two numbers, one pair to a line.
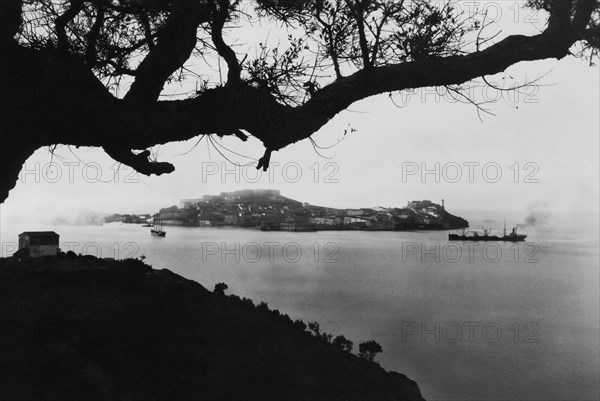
[87,329]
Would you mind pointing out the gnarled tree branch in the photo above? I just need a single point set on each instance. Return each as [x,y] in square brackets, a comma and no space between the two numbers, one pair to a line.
[50,96]
[62,21]
[174,46]
[140,161]
[220,13]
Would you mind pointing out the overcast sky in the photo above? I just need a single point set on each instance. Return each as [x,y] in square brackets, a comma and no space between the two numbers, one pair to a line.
[545,138]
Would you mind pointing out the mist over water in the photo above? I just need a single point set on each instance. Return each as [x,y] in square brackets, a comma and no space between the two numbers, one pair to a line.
[500,321]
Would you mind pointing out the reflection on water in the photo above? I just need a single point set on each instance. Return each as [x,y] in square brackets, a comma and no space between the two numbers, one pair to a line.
[466,321]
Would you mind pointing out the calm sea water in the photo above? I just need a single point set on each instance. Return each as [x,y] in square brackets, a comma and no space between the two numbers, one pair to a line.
[467,322]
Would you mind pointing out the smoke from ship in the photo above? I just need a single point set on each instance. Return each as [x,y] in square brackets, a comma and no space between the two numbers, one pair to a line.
[537,215]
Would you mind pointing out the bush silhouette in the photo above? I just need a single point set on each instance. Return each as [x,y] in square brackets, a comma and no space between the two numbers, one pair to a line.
[343,343]
[220,288]
[369,349]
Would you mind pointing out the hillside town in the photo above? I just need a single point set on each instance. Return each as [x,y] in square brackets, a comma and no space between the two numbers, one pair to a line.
[270,211]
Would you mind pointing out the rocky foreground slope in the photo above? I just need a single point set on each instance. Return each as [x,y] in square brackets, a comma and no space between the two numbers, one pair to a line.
[87,329]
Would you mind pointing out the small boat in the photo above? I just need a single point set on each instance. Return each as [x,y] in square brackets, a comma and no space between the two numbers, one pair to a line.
[157,230]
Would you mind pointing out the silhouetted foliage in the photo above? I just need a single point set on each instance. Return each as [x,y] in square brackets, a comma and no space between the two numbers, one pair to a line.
[220,288]
[343,343]
[369,349]
[300,325]
[314,328]
[248,302]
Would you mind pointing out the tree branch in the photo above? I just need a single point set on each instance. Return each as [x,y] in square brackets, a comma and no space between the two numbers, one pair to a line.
[84,106]
[330,45]
[10,20]
[560,13]
[583,13]
[220,13]
[139,162]
[62,21]
[356,9]
[435,71]
[174,46]
[49,97]
[92,36]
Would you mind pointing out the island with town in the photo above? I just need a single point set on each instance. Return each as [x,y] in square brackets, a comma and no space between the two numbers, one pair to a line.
[268,210]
